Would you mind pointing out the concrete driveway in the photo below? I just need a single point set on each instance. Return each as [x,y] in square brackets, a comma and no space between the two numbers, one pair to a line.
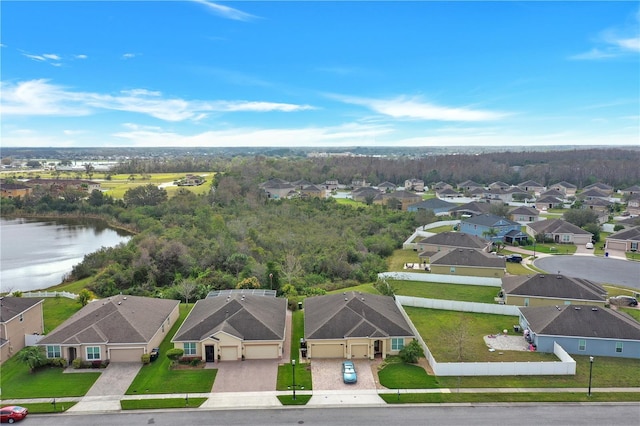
[246,376]
[106,392]
[327,375]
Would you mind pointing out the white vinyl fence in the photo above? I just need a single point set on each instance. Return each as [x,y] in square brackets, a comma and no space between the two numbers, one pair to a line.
[454,305]
[441,278]
[422,231]
[50,294]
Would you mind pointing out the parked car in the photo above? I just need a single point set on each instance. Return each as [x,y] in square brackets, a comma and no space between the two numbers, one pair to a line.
[589,245]
[623,301]
[155,352]
[349,372]
[12,413]
[515,258]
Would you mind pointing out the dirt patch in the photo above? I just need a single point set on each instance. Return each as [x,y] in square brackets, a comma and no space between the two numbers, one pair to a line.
[502,342]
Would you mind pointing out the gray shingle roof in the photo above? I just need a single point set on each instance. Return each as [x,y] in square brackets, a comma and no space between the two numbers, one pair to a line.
[490,220]
[565,184]
[249,317]
[432,204]
[10,307]
[467,257]
[552,193]
[456,239]
[581,321]
[626,234]
[118,319]
[473,207]
[360,315]
[553,286]
[556,226]
[528,183]
[525,210]
[593,192]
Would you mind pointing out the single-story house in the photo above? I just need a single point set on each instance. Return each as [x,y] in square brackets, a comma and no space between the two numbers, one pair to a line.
[497,193]
[14,190]
[437,205]
[551,290]
[439,186]
[448,193]
[499,185]
[277,188]
[568,189]
[19,317]
[313,191]
[634,189]
[471,262]
[553,193]
[626,239]
[234,326]
[548,202]
[354,325]
[446,241]
[597,204]
[600,187]
[468,185]
[399,200]
[362,194]
[116,329]
[532,187]
[633,204]
[524,214]
[486,224]
[472,208]
[388,186]
[582,330]
[301,183]
[593,194]
[559,231]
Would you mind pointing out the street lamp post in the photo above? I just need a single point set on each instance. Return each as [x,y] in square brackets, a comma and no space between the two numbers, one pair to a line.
[271,280]
[534,249]
[590,373]
[293,368]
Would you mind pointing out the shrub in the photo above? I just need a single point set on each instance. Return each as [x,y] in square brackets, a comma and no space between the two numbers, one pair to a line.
[96,364]
[57,362]
[76,363]
[175,353]
[411,352]
[195,362]
[145,358]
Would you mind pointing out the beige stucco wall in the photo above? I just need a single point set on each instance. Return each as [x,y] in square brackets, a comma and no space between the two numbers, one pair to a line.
[468,270]
[162,332]
[14,330]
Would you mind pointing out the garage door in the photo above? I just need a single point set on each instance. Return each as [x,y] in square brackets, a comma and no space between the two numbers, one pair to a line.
[228,353]
[327,351]
[359,351]
[617,245]
[261,352]
[125,355]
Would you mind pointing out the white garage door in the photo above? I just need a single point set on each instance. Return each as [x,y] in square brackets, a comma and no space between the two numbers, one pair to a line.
[616,245]
[359,351]
[261,352]
[228,353]
[125,355]
[327,351]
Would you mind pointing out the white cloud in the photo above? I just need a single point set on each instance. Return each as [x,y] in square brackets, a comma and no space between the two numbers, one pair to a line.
[614,42]
[38,58]
[415,109]
[592,54]
[52,56]
[39,97]
[226,12]
[80,56]
[128,55]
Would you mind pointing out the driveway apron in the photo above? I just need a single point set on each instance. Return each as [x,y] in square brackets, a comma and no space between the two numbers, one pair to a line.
[106,392]
[327,375]
[253,375]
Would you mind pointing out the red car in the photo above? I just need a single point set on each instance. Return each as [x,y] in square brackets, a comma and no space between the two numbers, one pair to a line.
[12,413]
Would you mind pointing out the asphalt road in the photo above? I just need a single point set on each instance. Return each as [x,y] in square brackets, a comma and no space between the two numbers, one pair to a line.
[598,269]
[441,415]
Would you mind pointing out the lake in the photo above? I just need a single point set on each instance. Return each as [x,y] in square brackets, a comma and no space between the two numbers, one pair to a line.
[37,253]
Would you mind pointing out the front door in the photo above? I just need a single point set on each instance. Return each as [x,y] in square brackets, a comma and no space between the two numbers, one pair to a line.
[209,353]
[377,347]
[72,354]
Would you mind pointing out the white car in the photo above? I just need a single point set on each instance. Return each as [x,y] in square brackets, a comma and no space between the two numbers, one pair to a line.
[589,245]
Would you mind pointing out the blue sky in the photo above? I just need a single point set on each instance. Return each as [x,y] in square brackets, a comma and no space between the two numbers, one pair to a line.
[330,74]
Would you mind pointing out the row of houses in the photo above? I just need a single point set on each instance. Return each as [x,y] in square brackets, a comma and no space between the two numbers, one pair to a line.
[23,189]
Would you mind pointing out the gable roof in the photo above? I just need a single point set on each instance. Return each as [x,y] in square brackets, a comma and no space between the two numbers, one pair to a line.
[448,191]
[469,184]
[467,257]
[530,183]
[525,210]
[553,286]
[432,204]
[633,188]
[600,186]
[626,234]
[456,239]
[552,193]
[118,319]
[402,195]
[489,220]
[556,226]
[351,314]
[387,184]
[11,307]
[549,200]
[593,192]
[581,321]
[247,317]
[565,184]
[473,207]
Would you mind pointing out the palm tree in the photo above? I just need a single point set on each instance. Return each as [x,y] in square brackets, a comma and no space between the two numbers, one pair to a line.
[33,356]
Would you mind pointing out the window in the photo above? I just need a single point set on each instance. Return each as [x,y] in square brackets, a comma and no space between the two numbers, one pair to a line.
[93,353]
[566,238]
[582,345]
[526,301]
[21,318]
[452,269]
[567,302]
[54,352]
[619,347]
[397,344]
[634,246]
[190,348]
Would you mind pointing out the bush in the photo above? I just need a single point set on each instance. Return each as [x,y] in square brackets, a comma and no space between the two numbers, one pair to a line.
[57,362]
[145,358]
[76,363]
[175,353]
[411,352]
[96,364]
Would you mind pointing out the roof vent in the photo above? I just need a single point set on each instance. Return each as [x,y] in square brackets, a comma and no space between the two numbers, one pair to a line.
[124,298]
[559,277]
[119,303]
[541,276]
[345,299]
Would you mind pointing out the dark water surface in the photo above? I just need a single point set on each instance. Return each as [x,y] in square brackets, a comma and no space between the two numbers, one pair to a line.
[37,253]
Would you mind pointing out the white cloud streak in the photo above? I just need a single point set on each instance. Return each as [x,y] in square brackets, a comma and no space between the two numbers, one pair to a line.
[226,12]
[415,109]
[40,98]
[612,43]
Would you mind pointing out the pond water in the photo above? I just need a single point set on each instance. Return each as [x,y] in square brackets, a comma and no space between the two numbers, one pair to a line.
[37,253]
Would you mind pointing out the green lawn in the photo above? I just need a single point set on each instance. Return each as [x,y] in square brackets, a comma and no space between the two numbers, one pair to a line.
[362,288]
[56,310]
[303,371]
[48,407]
[517,268]
[444,228]
[288,399]
[73,287]
[437,398]
[465,293]
[552,248]
[157,377]
[635,313]
[16,381]
[119,184]
[399,257]
[150,404]
[395,374]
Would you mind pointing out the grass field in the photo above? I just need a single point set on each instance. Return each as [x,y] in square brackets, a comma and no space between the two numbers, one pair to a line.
[149,404]
[439,229]
[395,374]
[399,257]
[48,407]
[56,310]
[551,248]
[157,377]
[303,371]
[438,398]
[119,184]
[465,293]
